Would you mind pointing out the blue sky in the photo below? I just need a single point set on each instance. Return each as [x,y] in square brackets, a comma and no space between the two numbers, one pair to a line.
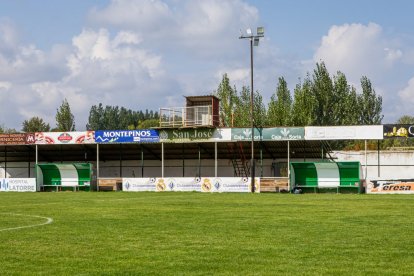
[147,54]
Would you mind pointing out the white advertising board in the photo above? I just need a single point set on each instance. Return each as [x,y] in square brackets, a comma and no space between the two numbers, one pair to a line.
[190,184]
[344,132]
[228,184]
[138,184]
[72,137]
[17,184]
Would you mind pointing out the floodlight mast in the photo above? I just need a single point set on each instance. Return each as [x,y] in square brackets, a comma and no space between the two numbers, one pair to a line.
[254,40]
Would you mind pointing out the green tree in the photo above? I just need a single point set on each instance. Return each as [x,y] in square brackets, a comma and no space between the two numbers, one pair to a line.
[242,109]
[65,121]
[322,89]
[259,110]
[345,108]
[148,124]
[406,120]
[95,120]
[35,124]
[370,104]
[111,117]
[304,104]
[228,98]
[280,106]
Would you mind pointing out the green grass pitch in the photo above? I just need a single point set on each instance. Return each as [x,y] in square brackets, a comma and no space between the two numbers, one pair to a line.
[205,234]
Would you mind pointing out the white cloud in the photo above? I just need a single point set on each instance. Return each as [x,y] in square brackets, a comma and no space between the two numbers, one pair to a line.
[357,50]
[5,85]
[189,26]
[407,94]
[366,50]
[99,67]
[129,14]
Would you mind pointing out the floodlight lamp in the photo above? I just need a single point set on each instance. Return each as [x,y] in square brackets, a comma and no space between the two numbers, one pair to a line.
[256,41]
[249,31]
[260,31]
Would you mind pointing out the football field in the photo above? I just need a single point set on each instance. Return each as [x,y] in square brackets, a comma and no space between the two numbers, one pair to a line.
[55,233]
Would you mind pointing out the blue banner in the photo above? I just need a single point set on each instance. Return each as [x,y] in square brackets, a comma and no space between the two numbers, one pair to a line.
[127,136]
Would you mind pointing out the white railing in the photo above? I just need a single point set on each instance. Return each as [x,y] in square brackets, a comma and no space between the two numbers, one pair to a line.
[186,116]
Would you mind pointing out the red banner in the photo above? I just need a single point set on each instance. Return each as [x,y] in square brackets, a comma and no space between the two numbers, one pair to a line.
[17,138]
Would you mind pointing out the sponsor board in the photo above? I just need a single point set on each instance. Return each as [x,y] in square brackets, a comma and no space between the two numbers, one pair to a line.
[138,184]
[390,187]
[17,185]
[186,135]
[190,184]
[398,131]
[73,137]
[127,136]
[344,132]
[268,134]
[17,138]
[229,184]
[181,184]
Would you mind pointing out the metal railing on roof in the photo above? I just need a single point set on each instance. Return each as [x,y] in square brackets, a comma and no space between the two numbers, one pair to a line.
[186,116]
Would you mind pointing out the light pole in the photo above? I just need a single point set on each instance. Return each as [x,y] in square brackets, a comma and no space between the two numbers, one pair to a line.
[254,41]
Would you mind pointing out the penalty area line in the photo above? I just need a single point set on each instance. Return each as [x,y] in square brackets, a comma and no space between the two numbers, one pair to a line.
[48,221]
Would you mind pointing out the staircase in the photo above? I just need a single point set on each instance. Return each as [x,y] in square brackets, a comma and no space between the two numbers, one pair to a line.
[241,165]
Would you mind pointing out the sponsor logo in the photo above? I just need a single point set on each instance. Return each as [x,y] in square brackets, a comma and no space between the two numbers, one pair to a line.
[171,184]
[376,187]
[30,138]
[108,136]
[161,185]
[65,138]
[16,185]
[206,185]
[247,133]
[4,185]
[127,133]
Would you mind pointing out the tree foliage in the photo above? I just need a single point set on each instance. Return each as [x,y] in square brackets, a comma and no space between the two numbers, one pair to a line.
[242,112]
[304,104]
[228,99]
[35,124]
[114,117]
[319,100]
[65,121]
[370,104]
[280,106]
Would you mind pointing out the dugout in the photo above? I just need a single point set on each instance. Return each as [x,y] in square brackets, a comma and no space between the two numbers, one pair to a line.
[58,176]
[325,176]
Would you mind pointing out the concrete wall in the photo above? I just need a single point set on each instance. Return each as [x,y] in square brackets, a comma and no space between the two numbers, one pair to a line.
[385,165]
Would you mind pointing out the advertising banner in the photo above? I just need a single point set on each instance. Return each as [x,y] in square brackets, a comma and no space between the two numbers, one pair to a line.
[190,184]
[17,185]
[344,132]
[268,134]
[72,137]
[398,131]
[390,187]
[181,184]
[138,184]
[229,184]
[195,134]
[127,136]
[17,138]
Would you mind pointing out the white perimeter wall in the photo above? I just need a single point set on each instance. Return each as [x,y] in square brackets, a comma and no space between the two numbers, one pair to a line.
[386,165]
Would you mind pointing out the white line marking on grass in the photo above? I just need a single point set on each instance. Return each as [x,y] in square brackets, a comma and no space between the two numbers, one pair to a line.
[48,221]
